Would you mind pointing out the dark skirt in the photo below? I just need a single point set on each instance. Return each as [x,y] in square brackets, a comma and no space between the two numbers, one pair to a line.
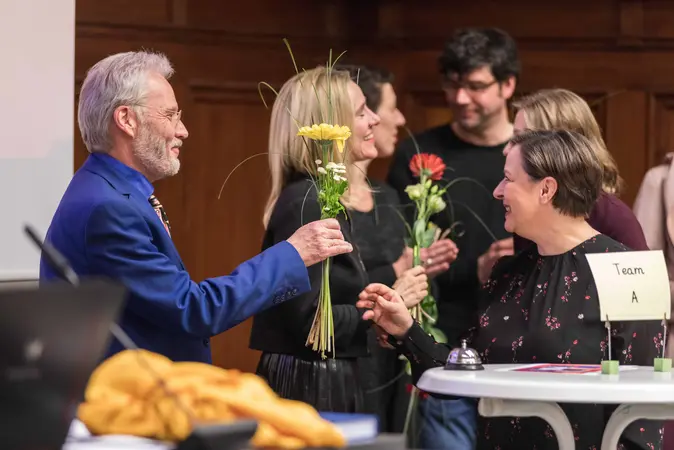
[385,385]
[328,385]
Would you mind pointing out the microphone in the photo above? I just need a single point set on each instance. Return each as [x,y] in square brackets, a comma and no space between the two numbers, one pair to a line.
[60,264]
[55,259]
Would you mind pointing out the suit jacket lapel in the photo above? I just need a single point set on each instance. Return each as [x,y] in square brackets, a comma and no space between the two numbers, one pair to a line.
[127,190]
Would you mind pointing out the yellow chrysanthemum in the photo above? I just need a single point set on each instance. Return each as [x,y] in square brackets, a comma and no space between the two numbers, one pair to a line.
[326,132]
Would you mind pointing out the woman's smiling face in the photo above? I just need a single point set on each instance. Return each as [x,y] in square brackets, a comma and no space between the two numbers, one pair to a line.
[362,144]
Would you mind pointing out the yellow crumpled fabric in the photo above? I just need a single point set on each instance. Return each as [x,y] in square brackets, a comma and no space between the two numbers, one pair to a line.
[125,396]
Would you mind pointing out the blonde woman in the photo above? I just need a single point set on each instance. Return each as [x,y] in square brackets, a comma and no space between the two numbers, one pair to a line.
[562,109]
[291,368]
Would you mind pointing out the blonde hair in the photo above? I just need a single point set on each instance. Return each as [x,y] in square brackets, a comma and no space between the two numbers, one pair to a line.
[550,109]
[302,101]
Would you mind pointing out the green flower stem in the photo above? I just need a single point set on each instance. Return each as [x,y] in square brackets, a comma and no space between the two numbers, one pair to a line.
[411,407]
[330,326]
[423,215]
[416,261]
[327,325]
[322,334]
[325,153]
[421,208]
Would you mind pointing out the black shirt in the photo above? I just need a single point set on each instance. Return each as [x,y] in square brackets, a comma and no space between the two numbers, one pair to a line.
[284,328]
[474,215]
[380,234]
[545,309]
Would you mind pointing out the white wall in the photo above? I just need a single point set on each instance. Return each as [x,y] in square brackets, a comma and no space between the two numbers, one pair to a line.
[37,78]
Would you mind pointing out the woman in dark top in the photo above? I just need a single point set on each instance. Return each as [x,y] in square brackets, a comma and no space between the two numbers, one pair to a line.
[292,369]
[561,109]
[379,236]
[540,305]
[379,233]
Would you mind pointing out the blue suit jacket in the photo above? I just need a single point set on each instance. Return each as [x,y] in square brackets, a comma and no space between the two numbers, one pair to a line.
[105,226]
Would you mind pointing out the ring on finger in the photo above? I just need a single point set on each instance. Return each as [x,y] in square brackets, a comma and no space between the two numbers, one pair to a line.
[429,261]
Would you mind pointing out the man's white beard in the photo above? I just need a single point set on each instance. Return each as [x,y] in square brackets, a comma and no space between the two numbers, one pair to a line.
[153,156]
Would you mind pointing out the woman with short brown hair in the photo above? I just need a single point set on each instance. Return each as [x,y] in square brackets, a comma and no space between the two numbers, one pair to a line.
[540,305]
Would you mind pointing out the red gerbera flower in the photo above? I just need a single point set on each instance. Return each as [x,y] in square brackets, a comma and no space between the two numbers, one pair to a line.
[430,165]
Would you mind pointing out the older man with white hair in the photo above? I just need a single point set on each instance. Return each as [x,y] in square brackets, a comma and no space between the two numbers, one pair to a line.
[109,223]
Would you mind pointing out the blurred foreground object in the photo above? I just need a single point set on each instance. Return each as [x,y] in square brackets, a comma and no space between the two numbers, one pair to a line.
[144,394]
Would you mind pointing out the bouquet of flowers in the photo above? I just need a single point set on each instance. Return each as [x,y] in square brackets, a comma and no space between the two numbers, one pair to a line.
[427,197]
[330,184]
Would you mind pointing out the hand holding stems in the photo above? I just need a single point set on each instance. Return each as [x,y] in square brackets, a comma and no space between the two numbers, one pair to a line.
[436,258]
[412,286]
[319,240]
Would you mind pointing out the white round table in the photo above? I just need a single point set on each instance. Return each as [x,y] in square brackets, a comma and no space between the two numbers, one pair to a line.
[641,393]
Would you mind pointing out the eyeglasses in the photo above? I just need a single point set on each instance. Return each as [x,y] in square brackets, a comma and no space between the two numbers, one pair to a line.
[172,115]
[471,87]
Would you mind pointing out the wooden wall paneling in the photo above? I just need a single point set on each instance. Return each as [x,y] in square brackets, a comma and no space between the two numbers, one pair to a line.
[391,19]
[178,12]
[232,118]
[631,23]
[301,18]
[525,18]
[627,138]
[405,26]
[660,127]
[658,20]
[125,12]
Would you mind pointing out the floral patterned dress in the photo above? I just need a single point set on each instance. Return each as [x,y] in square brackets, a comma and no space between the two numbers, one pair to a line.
[544,309]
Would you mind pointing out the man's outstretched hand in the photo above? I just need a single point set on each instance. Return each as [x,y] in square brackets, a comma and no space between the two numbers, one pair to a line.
[319,240]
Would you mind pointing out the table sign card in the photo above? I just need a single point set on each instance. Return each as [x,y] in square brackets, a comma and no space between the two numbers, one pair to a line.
[631,285]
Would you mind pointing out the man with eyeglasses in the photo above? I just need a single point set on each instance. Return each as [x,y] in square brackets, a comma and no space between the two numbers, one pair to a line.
[109,222]
[479,69]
